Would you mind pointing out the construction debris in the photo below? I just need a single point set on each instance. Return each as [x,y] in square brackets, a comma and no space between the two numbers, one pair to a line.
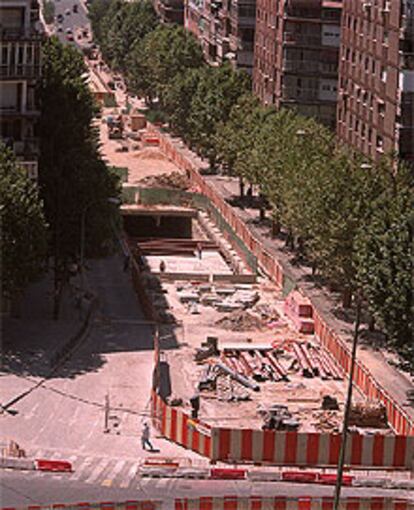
[370,414]
[241,321]
[330,403]
[174,180]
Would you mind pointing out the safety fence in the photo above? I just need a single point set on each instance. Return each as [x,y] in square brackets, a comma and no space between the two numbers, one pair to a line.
[363,378]
[236,503]
[311,449]
[175,425]
[365,381]
[107,505]
[289,503]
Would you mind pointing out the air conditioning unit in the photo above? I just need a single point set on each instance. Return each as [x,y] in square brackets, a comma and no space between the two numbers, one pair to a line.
[367,6]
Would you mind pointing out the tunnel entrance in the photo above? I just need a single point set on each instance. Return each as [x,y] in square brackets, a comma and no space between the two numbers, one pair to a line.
[159,222]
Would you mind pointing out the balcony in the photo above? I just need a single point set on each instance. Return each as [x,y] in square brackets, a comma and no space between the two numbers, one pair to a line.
[27,148]
[300,94]
[302,39]
[27,71]
[310,67]
[20,34]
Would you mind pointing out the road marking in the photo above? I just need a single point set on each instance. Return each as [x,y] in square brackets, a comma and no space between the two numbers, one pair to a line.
[79,471]
[116,469]
[97,471]
[130,476]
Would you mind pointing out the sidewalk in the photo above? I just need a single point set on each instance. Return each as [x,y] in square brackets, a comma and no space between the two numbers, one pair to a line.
[30,340]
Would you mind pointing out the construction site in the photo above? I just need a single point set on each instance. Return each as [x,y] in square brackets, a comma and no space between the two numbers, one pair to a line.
[234,352]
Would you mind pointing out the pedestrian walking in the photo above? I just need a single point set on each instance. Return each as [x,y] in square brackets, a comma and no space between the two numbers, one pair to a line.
[145,438]
[126,262]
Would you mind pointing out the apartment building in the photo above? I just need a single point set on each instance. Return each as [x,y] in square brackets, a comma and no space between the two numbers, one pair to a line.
[170,11]
[376,77]
[20,46]
[225,29]
[296,56]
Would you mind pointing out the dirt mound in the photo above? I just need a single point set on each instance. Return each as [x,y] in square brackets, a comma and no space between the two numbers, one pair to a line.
[174,180]
[151,153]
[241,321]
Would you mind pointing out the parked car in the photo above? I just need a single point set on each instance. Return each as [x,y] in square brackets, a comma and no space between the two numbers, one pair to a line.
[68,30]
[69,37]
[67,12]
[59,18]
[75,7]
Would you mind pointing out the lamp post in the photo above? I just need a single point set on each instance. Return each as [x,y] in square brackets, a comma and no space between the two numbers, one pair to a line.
[347,410]
[110,200]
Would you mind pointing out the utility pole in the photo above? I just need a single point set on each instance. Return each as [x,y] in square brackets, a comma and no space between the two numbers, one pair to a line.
[106,427]
[347,410]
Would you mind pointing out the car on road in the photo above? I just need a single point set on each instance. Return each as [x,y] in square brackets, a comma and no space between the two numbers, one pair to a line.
[59,29]
[75,8]
[69,37]
[67,12]
[68,31]
[59,18]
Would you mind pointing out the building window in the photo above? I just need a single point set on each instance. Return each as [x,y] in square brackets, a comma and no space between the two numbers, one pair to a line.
[380,142]
[381,109]
[383,74]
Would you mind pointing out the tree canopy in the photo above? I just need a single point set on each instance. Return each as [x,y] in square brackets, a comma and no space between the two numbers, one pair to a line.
[120,26]
[165,53]
[23,227]
[73,179]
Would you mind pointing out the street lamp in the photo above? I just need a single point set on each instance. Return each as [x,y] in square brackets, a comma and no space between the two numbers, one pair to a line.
[110,200]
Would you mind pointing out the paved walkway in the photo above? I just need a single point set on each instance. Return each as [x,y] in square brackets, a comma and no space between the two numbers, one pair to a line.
[67,412]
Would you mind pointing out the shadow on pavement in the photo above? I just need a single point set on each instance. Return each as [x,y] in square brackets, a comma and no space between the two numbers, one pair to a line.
[118,325]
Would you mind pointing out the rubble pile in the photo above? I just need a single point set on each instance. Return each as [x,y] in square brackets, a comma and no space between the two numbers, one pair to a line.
[370,414]
[241,321]
[174,180]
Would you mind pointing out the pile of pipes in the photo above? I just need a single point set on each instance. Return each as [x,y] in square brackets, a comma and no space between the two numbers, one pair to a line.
[258,363]
[312,361]
[166,246]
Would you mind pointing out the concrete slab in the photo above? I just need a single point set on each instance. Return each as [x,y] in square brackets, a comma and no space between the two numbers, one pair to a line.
[210,263]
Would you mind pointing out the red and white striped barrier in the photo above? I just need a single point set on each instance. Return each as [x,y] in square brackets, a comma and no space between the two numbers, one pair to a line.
[311,449]
[177,426]
[283,503]
[109,505]
[61,466]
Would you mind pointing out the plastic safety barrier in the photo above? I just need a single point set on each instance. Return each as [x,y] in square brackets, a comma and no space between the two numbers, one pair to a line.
[227,474]
[53,465]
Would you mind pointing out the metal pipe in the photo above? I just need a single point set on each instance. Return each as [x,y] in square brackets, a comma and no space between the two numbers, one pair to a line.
[240,378]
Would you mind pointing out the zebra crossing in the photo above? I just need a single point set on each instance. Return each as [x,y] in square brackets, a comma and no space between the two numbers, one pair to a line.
[104,471]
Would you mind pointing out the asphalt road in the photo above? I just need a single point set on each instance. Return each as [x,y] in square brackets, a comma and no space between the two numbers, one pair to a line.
[74,21]
[37,488]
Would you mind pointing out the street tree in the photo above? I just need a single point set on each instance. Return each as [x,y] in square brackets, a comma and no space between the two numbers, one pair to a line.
[385,260]
[72,176]
[163,54]
[216,94]
[23,228]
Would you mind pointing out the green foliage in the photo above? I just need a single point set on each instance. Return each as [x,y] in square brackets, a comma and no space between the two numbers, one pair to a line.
[49,11]
[72,176]
[23,227]
[386,260]
[163,54]
[178,99]
[118,26]
[217,91]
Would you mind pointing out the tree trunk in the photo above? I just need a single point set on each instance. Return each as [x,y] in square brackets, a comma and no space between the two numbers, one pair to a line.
[241,187]
[275,228]
[347,297]
[371,324]
[314,268]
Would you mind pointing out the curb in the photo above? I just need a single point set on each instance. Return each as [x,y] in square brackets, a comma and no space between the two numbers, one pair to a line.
[16,463]
[65,350]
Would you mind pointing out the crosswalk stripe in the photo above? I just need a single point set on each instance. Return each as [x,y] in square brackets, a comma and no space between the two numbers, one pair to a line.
[97,471]
[80,470]
[116,469]
[127,479]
